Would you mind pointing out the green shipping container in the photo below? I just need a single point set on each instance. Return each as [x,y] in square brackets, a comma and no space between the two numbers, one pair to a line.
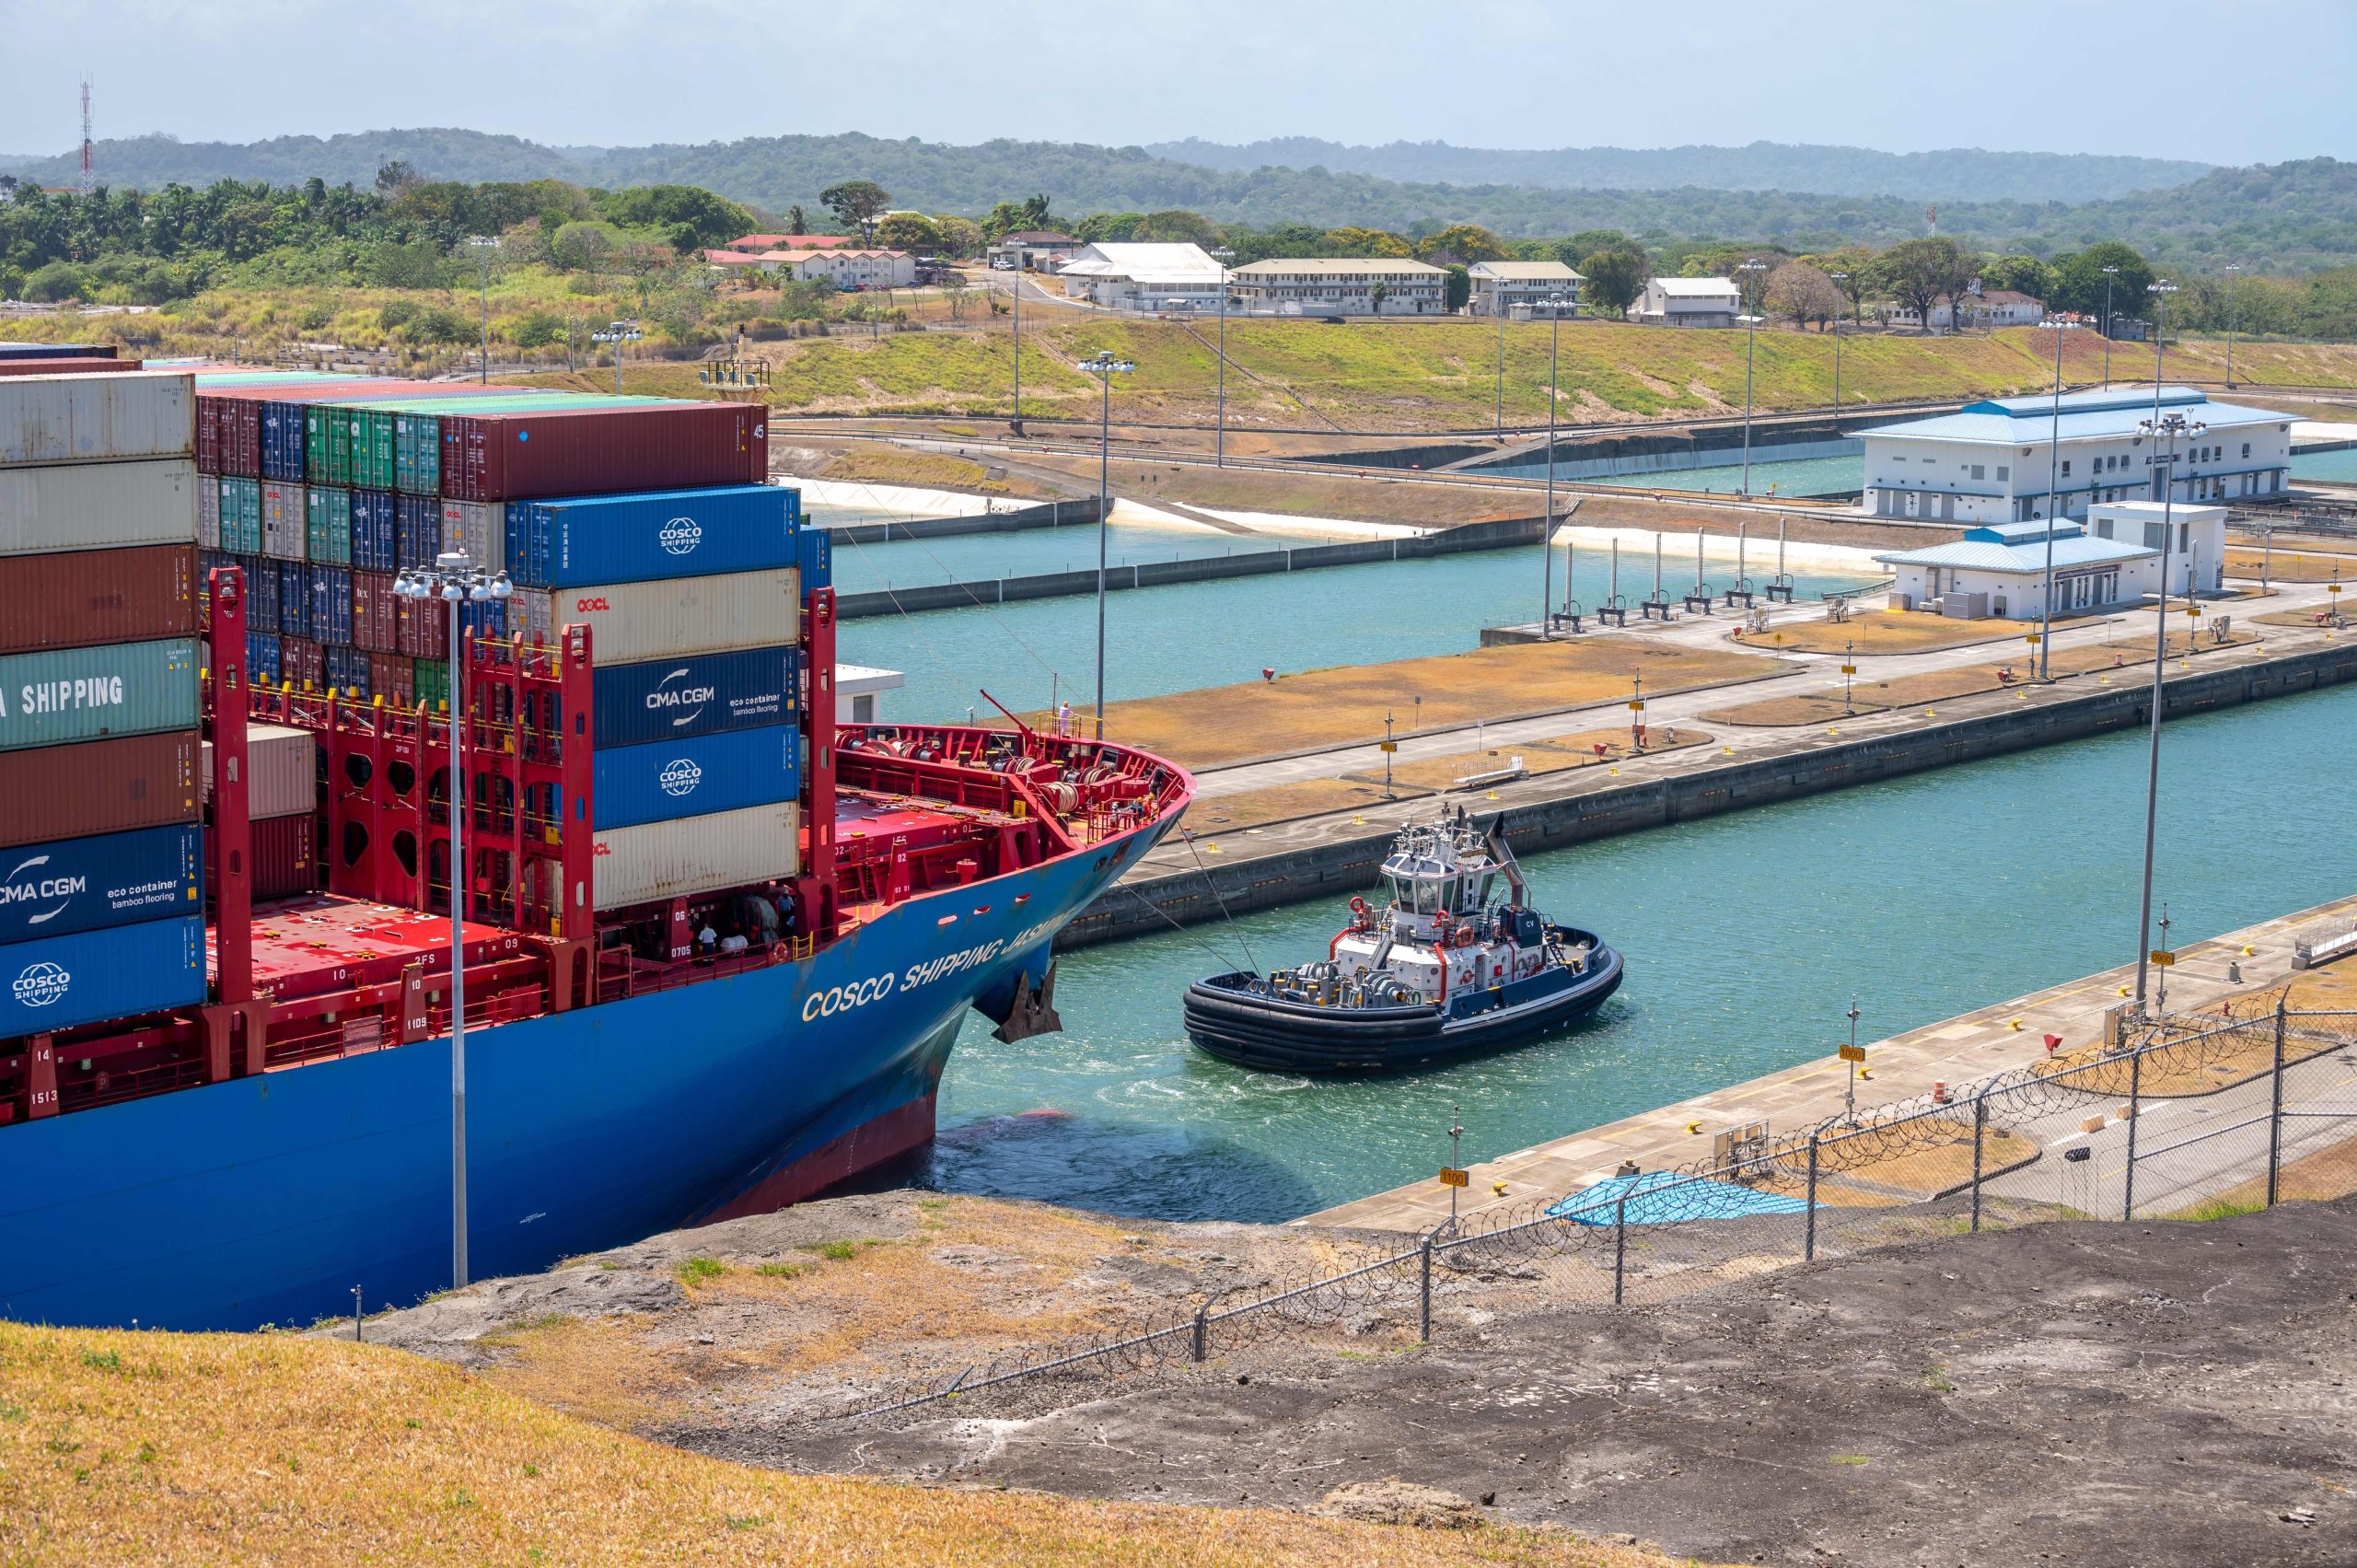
[72,695]
[326,446]
[327,532]
[372,460]
[241,517]
[434,682]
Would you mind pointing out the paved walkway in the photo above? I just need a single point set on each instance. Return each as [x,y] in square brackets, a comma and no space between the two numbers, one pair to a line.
[1972,1046]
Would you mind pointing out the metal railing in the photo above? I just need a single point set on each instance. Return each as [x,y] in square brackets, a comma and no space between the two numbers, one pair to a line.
[2057,1139]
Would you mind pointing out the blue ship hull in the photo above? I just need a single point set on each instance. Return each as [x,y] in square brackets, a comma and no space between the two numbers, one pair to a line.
[266,1200]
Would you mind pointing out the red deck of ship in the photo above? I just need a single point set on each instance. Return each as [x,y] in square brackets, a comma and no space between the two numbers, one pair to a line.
[314,946]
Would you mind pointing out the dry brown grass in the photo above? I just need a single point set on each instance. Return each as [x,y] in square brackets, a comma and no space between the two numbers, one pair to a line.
[1845,1180]
[215,1448]
[2327,1173]
[1283,803]
[896,465]
[2292,565]
[1556,754]
[1884,631]
[1320,708]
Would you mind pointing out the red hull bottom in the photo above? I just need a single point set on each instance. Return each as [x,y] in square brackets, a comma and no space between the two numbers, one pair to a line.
[869,1145]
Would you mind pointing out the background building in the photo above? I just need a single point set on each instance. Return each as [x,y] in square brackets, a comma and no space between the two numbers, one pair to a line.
[2000,570]
[1141,276]
[850,268]
[1339,286]
[1991,462]
[1515,288]
[1032,250]
[2197,556]
[1688,302]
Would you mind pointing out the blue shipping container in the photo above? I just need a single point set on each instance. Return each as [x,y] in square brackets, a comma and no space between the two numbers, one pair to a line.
[57,982]
[261,657]
[695,778]
[650,535]
[376,532]
[708,694]
[294,598]
[330,604]
[281,441]
[261,593]
[56,890]
[347,671]
[417,537]
[482,618]
[815,553]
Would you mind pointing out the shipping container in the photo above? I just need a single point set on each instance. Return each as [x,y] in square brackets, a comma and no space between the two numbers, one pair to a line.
[658,861]
[331,604]
[93,884]
[417,537]
[208,511]
[82,599]
[696,777]
[347,671]
[294,599]
[347,446]
[97,506]
[108,786]
[375,538]
[667,533]
[482,618]
[705,694]
[285,857]
[261,593]
[302,664]
[281,441]
[394,679]
[514,457]
[422,629]
[417,454]
[229,435]
[57,982]
[285,521]
[262,668]
[241,515]
[327,525]
[376,611]
[282,771]
[431,682]
[631,622]
[52,351]
[815,555]
[477,527]
[66,695]
[66,367]
[87,419]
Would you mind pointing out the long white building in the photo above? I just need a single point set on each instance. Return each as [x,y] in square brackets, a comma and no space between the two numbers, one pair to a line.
[1997,461]
[1339,286]
[1143,276]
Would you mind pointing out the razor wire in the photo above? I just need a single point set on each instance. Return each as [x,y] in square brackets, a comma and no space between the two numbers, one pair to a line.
[1586,1239]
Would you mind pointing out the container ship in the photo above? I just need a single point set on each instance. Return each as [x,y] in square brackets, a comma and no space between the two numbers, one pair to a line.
[713,946]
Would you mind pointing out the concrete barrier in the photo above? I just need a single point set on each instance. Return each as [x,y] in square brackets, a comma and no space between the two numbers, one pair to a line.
[1338,866]
[1046,515]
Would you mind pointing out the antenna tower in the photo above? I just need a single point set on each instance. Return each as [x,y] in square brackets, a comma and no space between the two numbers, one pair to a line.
[90,162]
[1931,220]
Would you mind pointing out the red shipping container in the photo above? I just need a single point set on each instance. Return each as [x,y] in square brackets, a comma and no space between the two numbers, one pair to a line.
[85,597]
[98,786]
[425,629]
[302,663]
[375,613]
[286,859]
[208,435]
[394,679]
[595,450]
[64,367]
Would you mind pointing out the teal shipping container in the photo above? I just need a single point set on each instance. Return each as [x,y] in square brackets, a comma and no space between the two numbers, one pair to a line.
[326,534]
[241,517]
[70,695]
[417,454]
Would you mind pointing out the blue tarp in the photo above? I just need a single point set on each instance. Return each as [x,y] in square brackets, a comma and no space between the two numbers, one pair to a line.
[1662,1197]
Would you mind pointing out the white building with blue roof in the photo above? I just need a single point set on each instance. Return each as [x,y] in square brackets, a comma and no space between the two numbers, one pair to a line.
[2001,569]
[1998,460]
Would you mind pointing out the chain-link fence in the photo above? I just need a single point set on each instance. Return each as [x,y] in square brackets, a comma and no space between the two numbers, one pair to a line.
[2191,1118]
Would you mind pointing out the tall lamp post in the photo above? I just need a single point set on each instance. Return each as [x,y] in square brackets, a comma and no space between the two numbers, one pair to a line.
[2054,504]
[2171,428]
[1498,302]
[1839,279]
[2110,275]
[1223,255]
[482,246]
[456,579]
[1750,319]
[1104,367]
[2232,294]
[1015,293]
[1555,304]
[618,334]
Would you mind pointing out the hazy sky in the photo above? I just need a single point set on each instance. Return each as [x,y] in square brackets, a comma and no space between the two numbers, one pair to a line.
[2246,82]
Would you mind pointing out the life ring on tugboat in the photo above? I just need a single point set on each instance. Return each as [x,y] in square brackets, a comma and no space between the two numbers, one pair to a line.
[1359,914]
[1463,935]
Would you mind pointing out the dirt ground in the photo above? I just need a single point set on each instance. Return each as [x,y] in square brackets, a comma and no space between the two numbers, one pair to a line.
[1884,631]
[2157,1393]
[2292,565]
[1556,754]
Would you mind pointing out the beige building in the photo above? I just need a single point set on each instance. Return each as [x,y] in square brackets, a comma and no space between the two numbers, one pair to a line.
[1519,288]
[1688,302]
[1338,285]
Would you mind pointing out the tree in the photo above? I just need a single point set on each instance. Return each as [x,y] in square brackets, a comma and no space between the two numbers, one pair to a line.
[1034,210]
[795,222]
[1176,226]
[2022,274]
[1372,242]
[1464,243]
[1854,265]
[858,202]
[1803,292]
[2079,281]
[959,237]
[537,329]
[1921,272]
[909,231]
[1574,251]
[1376,295]
[1457,288]
[398,179]
[1615,277]
[689,218]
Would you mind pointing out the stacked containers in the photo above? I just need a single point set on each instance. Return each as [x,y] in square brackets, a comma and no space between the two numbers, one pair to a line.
[282,802]
[100,851]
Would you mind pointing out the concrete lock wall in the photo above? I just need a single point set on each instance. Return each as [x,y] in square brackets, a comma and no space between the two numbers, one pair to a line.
[1346,866]
[1047,515]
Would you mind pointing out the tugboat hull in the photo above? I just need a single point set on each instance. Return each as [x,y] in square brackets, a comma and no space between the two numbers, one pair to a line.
[1252,1028]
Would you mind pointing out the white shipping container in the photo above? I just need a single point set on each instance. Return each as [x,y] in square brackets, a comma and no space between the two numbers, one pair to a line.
[696,854]
[97,505]
[633,621]
[283,524]
[208,511]
[477,527]
[100,418]
[282,771]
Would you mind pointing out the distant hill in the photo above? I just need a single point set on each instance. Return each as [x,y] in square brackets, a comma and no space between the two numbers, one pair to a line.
[151,161]
[1957,174]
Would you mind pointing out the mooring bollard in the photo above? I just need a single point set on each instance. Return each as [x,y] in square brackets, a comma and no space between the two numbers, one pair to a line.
[355,1312]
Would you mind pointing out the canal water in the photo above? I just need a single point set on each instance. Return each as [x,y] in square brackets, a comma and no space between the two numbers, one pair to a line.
[1746,937]
[1839,475]
[2338,467]
[966,558]
[1186,635]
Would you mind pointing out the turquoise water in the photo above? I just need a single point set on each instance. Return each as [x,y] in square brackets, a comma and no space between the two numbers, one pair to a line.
[1800,476]
[1194,634]
[1745,937]
[2339,466]
[966,558]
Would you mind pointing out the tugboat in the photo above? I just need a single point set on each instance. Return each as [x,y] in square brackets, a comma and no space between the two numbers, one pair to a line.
[1442,974]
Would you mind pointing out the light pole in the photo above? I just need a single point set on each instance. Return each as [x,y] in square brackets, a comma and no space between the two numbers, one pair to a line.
[1015,292]
[1849,1098]
[618,334]
[1750,321]
[1839,279]
[1223,255]
[1104,367]
[2172,428]
[2109,274]
[1497,302]
[1555,303]
[2231,268]
[482,246]
[455,579]
[2054,507]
